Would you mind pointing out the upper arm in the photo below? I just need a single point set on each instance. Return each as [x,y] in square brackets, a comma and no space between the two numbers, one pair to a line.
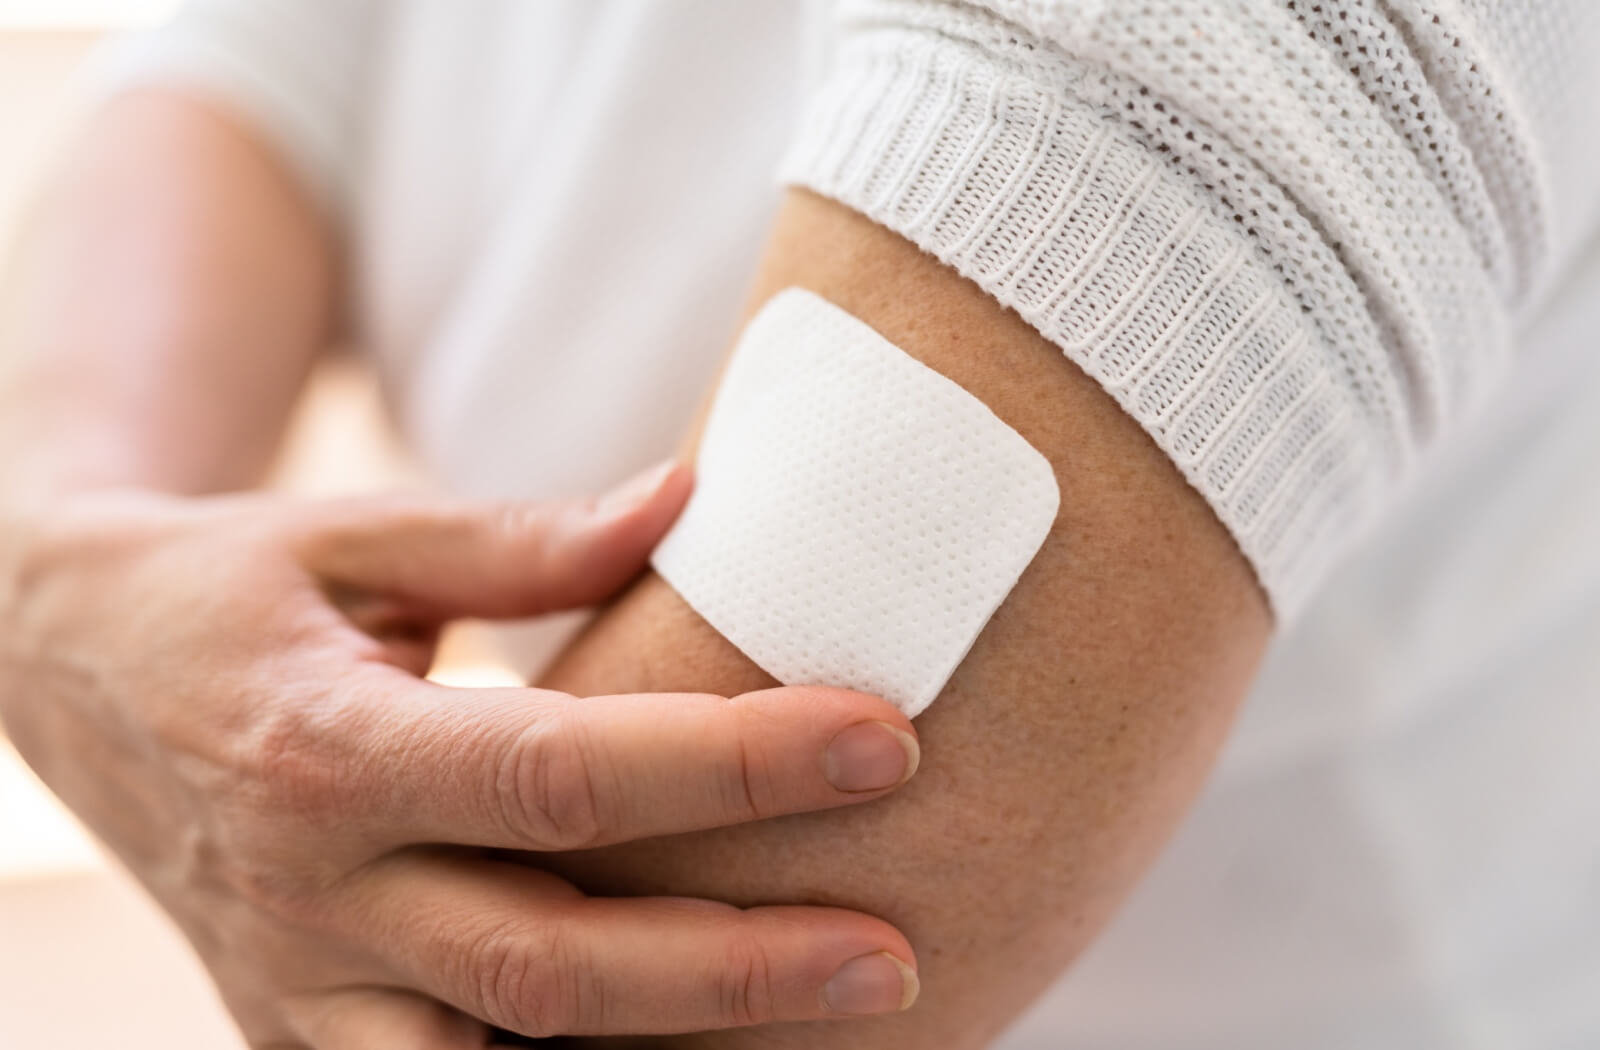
[181,271]
[299,74]
[1069,740]
[164,304]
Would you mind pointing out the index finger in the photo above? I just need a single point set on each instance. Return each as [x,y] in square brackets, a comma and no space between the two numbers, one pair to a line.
[535,769]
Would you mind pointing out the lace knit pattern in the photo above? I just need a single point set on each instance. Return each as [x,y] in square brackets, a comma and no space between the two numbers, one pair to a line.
[1286,235]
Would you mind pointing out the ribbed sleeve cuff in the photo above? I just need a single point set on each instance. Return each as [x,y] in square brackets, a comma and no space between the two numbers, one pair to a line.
[993,166]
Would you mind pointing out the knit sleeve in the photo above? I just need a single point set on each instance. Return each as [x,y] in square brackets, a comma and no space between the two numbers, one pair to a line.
[1289,238]
[295,70]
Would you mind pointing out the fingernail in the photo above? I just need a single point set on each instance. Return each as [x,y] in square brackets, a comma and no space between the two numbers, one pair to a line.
[635,492]
[871,984]
[870,756]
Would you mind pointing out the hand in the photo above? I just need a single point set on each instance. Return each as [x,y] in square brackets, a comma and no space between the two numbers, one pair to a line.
[227,692]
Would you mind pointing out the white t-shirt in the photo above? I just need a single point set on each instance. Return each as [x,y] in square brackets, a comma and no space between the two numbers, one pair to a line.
[553,211]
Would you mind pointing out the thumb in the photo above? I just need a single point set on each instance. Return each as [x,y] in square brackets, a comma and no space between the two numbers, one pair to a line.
[506,560]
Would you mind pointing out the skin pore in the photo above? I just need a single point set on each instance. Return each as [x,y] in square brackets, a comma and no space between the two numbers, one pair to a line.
[1067,745]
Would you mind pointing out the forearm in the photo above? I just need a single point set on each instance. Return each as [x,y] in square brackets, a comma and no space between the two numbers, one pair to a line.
[161,309]
[1069,741]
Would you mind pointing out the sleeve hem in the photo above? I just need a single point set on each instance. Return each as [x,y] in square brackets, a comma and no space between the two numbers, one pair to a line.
[1113,256]
[305,140]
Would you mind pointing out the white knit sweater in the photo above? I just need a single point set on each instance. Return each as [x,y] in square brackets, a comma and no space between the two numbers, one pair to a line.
[1288,236]
[1291,237]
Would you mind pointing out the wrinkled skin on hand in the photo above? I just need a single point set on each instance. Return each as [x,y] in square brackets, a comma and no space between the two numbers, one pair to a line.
[227,692]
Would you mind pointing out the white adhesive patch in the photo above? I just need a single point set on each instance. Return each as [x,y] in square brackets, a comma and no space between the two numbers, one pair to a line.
[857,517]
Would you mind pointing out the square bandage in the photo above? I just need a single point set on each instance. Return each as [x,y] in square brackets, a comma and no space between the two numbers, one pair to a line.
[857,517]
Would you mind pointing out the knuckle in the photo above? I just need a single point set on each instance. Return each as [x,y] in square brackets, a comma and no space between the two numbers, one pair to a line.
[519,983]
[753,789]
[530,534]
[290,762]
[511,522]
[287,795]
[277,895]
[552,787]
[747,995]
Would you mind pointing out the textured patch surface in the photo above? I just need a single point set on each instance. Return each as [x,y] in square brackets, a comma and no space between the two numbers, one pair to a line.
[857,516]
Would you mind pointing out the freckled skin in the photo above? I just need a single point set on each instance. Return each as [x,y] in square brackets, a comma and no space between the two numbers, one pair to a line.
[1066,746]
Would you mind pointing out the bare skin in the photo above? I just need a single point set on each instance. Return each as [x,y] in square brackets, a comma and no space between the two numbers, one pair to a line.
[227,690]
[1067,745]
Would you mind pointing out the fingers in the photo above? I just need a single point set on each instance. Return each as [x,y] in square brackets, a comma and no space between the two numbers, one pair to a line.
[512,560]
[537,770]
[499,942]
[372,1018]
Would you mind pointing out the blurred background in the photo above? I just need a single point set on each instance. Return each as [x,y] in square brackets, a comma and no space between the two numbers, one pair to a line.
[85,961]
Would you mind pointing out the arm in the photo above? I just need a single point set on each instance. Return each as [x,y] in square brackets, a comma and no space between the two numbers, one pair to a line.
[1280,246]
[164,308]
[1069,741]
[228,692]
